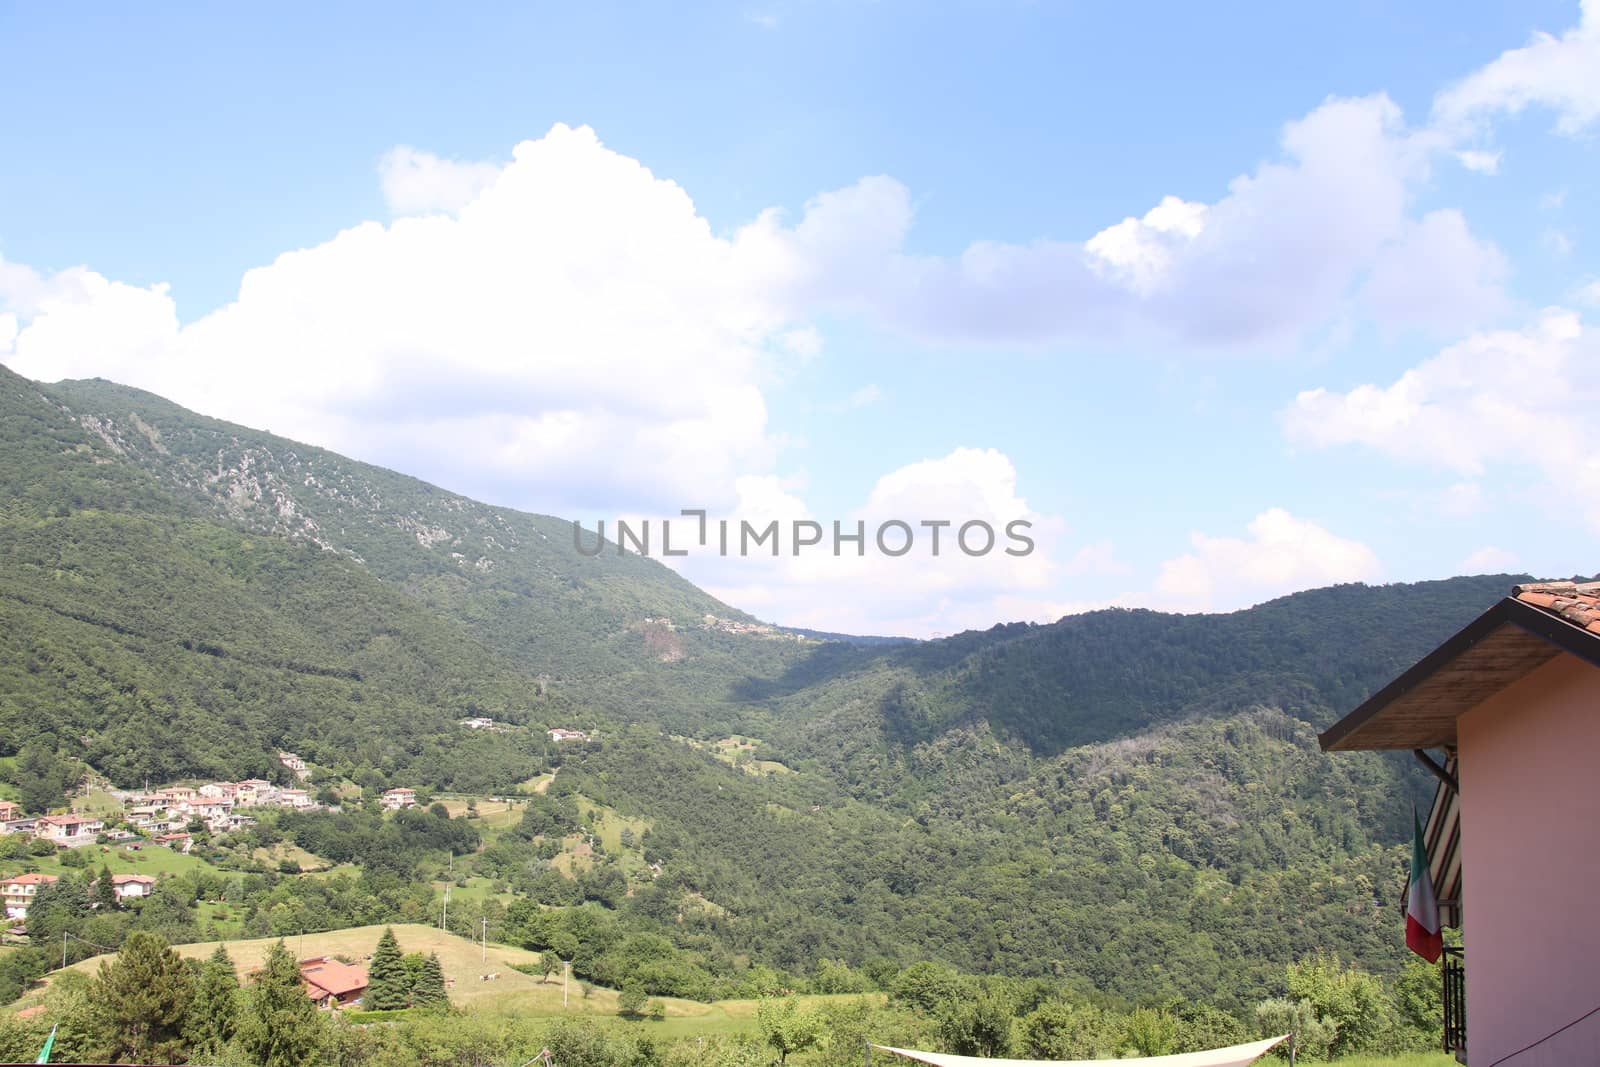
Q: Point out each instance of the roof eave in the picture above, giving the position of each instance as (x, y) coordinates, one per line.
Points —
(1564, 635)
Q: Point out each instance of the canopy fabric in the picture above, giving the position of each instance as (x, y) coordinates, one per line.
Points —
(1232, 1056)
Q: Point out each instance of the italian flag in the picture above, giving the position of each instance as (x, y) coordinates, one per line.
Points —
(1422, 908)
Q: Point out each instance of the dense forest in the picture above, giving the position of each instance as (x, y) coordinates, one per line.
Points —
(1126, 806)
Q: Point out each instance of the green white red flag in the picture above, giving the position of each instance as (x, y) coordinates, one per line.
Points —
(1422, 907)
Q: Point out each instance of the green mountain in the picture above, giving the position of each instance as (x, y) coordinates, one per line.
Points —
(1123, 800)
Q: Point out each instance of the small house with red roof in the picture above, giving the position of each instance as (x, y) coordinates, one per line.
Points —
(332, 983)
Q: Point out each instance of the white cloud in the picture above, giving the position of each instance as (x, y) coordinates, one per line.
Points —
(1589, 293)
(1436, 274)
(1282, 554)
(1520, 401)
(575, 335)
(1490, 560)
(922, 592)
(1140, 251)
(1277, 255)
(421, 183)
(804, 342)
(1560, 73)
(1479, 160)
(1098, 558)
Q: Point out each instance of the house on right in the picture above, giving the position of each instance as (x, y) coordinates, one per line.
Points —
(1513, 703)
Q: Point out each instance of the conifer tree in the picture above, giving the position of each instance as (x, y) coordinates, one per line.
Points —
(280, 1026)
(105, 890)
(214, 1012)
(428, 994)
(387, 987)
(143, 997)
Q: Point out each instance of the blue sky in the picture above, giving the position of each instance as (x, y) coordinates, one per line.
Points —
(891, 276)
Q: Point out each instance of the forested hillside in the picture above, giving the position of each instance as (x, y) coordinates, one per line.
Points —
(1123, 801)
(514, 580)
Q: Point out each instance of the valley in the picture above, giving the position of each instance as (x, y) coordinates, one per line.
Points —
(1121, 818)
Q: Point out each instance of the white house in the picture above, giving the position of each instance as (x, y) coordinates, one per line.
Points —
(295, 764)
(19, 892)
(132, 886)
(69, 830)
(395, 799)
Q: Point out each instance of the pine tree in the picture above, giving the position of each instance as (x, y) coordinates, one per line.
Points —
(214, 1012)
(280, 1026)
(143, 997)
(428, 994)
(387, 988)
(105, 890)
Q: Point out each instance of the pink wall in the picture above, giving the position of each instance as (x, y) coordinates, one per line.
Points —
(1530, 839)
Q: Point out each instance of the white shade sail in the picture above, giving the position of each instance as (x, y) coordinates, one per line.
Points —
(1232, 1056)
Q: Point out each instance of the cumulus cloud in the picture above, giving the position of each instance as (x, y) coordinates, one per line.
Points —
(573, 336)
(1561, 73)
(1518, 401)
(1436, 274)
(1282, 553)
(421, 183)
(1277, 255)
(1479, 160)
(933, 587)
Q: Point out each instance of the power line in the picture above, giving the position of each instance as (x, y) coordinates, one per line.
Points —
(1546, 1037)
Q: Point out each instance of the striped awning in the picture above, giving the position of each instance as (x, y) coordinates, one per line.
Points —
(1442, 836)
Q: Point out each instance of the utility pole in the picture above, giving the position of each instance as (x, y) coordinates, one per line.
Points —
(63, 950)
(566, 977)
(444, 916)
(485, 921)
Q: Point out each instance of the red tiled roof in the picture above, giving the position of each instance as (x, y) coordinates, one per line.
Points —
(1577, 602)
(331, 976)
(67, 820)
(30, 878)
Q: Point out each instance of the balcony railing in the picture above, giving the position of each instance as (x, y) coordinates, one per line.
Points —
(1453, 968)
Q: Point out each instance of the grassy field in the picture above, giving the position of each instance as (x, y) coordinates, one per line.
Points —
(739, 751)
(152, 859)
(608, 824)
(283, 850)
(512, 992)
(464, 961)
(1416, 1059)
(492, 814)
(539, 783)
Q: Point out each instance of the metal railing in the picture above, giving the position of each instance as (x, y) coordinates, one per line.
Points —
(1454, 971)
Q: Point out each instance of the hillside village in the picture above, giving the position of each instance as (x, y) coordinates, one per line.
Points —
(168, 817)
